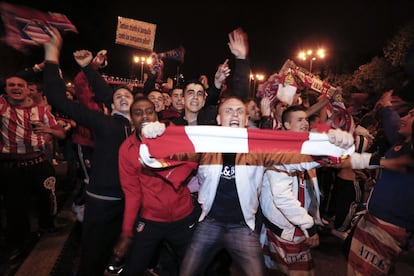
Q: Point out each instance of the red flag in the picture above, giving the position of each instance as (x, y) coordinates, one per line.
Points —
(25, 26)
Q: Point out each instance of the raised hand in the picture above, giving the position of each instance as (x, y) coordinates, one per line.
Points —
(223, 71)
(53, 45)
(101, 59)
(238, 43)
(266, 104)
(83, 57)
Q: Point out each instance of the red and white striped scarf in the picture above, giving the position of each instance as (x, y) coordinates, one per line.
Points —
(192, 139)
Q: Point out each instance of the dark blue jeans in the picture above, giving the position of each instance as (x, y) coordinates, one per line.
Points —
(210, 236)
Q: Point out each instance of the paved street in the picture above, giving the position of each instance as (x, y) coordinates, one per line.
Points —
(57, 253)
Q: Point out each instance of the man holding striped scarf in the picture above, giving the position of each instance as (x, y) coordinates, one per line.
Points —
(230, 173)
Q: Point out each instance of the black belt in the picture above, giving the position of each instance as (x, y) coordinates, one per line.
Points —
(275, 229)
(13, 163)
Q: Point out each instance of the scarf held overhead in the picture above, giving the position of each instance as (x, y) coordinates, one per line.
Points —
(194, 139)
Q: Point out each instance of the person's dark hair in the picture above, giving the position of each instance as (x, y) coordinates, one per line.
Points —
(248, 100)
(167, 91)
(312, 98)
(141, 99)
(156, 90)
(137, 90)
(39, 86)
(290, 109)
(313, 117)
(121, 86)
(192, 81)
(172, 89)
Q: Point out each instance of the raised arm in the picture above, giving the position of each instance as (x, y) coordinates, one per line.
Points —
(238, 44)
(213, 92)
(54, 87)
(101, 89)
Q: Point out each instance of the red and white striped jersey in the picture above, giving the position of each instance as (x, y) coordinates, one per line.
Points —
(17, 135)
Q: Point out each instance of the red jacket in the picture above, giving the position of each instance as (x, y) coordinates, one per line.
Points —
(148, 194)
(83, 135)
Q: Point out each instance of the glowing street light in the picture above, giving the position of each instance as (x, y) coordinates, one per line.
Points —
(253, 78)
(311, 56)
(142, 60)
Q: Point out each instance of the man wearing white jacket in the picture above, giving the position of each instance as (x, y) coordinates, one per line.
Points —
(290, 205)
(231, 181)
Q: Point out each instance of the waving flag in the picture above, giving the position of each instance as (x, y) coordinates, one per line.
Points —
(188, 139)
(25, 27)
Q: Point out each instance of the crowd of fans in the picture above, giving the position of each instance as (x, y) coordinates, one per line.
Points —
(253, 214)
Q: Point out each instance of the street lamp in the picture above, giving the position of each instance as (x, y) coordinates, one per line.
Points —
(311, 56)
(142, 60)
(253, 79)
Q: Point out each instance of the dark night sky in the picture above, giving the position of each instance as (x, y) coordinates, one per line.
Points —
(352, 31)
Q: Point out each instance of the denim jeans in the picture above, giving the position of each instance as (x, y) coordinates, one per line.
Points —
(210, 236)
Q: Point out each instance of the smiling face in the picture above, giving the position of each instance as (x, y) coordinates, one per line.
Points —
(17, 90)
(232, 113)
(194, 97)
(122, 100)
(297, 121)
(142, 111)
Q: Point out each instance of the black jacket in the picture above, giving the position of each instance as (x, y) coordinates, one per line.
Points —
(109, 131)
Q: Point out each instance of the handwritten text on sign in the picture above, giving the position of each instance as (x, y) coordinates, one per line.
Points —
(135, 33)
